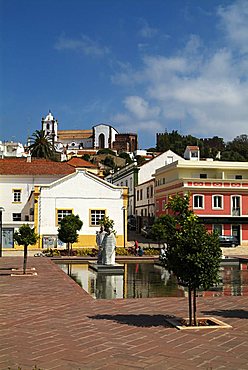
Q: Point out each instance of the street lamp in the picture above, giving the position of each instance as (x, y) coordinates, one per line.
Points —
(1, 230)
(124, 225)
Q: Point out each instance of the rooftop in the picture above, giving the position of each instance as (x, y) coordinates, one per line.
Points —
(21, 166)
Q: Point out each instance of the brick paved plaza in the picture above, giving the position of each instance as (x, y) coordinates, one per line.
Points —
(49, 322)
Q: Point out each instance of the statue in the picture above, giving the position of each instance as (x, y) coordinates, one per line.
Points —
(108, 247)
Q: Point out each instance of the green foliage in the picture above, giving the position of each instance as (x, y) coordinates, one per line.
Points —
(107, 223)
(106, 151)
(126, 156)
(109, 162)
(121, 251)
(235, 150)
(41, 146)
(86, 157)
(193, 254)
(140, 160)
(25, 236)
(67, 231)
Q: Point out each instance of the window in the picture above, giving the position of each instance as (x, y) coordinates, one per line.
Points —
(238, 177)
(151, 191)
(217, 201)
(147, 192)
(17, 217)
(218, 228)
(236, 205)
(61, 213)
(137, 194)
(126, 183)
(17, 195)
(141, 194)
(96, 215)
(163, 205)
(198, 201)
(203, 176)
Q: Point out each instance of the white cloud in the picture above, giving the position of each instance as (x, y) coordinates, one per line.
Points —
(234, 21)
(84, 44)
(147, 31)
(202, 89)
(140, 108)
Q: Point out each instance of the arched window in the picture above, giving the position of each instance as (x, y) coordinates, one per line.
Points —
(101, 141)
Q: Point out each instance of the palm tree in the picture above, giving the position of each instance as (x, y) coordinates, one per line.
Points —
(41, 145)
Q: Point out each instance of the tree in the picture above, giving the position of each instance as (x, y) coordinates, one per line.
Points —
(41, 146)
(25, 236)
(106, 151)
(193, 254)
(126, 156)
(67, 231)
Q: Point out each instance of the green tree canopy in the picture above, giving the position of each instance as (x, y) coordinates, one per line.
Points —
(126, 156)
(106, 151)
(67, 231)
(193, 254)
(41, 146)
(25, 236)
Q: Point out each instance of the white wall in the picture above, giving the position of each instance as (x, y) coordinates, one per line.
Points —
(81, 192)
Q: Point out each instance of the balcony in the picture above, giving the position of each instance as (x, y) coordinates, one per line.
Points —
(236, 211)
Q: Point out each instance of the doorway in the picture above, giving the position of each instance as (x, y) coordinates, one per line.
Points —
(236, 232)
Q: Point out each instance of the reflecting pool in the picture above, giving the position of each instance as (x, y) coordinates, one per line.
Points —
(144, 280)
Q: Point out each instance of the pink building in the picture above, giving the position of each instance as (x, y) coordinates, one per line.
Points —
(218, 189)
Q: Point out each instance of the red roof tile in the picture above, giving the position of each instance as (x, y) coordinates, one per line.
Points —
(20, 166)
(79, 162)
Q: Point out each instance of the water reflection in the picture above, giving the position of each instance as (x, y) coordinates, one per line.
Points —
(143, 280)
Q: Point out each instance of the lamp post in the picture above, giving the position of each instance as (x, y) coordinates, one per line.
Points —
(124, 225)
(1, 231)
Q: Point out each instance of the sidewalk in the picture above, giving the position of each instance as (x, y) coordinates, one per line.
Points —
(49, 322)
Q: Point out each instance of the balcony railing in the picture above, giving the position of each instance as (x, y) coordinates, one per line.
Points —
(236, 211)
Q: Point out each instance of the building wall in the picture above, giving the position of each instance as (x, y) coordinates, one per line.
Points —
(182, 177)
(81, 192)
(149, 168)
(145, 206)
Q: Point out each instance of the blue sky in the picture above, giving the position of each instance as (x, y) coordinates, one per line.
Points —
(142, 66)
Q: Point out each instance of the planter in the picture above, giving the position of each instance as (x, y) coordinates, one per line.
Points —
(203, 323)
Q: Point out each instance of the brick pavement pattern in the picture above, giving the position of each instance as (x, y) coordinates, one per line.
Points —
(48, 322)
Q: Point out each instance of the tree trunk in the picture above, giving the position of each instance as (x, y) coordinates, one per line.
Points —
(190, 305)
(194, 306)
(25, 259)
(68, 249)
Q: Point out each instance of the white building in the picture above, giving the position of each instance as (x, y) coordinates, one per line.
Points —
(10, 149)
(83, 194)
(41, 192)
(133, 175)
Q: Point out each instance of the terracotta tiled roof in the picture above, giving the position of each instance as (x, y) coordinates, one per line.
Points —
(192, 147)
(74, 134)
(79, 162)
(20, 166)
(90, 152)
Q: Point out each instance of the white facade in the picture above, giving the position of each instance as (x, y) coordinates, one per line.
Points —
(10, 149)
(145, 206)
(104, 136)
(17, 203)
(81, 193)
(147, 170)
(50, 126)
(133, 175)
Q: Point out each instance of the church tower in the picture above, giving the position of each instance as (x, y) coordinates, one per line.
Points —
(50, 126)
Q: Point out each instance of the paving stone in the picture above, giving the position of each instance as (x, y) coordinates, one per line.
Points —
(49, 321)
